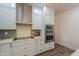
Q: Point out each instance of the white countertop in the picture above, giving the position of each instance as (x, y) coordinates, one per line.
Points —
(11, 40)
(6, 40)
(76, 53)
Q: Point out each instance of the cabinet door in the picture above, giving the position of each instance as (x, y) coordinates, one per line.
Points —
(49, 46)
(39, 45)
(30, 50)
(49, 19)
(18, 48)
(36, 17)
(49, 16)
(17, 43)
(39, 48)
(36, 21)
(30, 47)
(5, 49)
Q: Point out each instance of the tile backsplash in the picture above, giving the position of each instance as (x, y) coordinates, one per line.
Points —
(23, 30)
(5, 34)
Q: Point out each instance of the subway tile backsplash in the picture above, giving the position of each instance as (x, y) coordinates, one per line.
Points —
(5, 34)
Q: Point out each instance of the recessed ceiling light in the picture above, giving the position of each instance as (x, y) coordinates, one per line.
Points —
(36, 11)
(13, 4)
(44, 8)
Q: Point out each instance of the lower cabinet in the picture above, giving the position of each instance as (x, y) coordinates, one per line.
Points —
(5, 49)
(30, 47)
(18, 51)
(39, 45)
(49, 46)
(25, 47)
(42, 46)
(18, 48)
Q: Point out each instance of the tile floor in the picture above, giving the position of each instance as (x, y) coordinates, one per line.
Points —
(58, 51)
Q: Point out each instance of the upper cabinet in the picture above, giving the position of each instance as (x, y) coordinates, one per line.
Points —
(42, 16)
(7, 16)
(48, 15)
(23, 13)
(36, 17)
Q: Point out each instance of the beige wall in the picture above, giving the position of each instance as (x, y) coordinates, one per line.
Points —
(67, 28)
(23, 31)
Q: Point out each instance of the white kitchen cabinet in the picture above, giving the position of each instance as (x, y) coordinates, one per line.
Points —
(7, 17)
(49, 46)
(39, 45)
(49, 19)
(17, 51)
(17, 43)
(18, 48)
(24, 47)
(36, 17)
(48, 16)
(5, 49)
(30, 47)
(39, 49)
(42, 46)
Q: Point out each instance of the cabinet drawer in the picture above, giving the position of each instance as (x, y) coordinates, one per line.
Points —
(30, 52)
(30, 41)
(49, 46)
(18, 49)
(5, 49)
(39, 49)
(5, 54)
(19, 54)
(17, 43)
(30, 49)
(51, 43)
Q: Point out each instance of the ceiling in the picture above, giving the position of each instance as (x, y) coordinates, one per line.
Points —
(9, 5)
(59, 7)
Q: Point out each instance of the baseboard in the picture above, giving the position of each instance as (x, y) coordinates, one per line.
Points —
(65, 46)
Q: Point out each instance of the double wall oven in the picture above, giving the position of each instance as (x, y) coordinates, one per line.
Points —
(49, 33)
